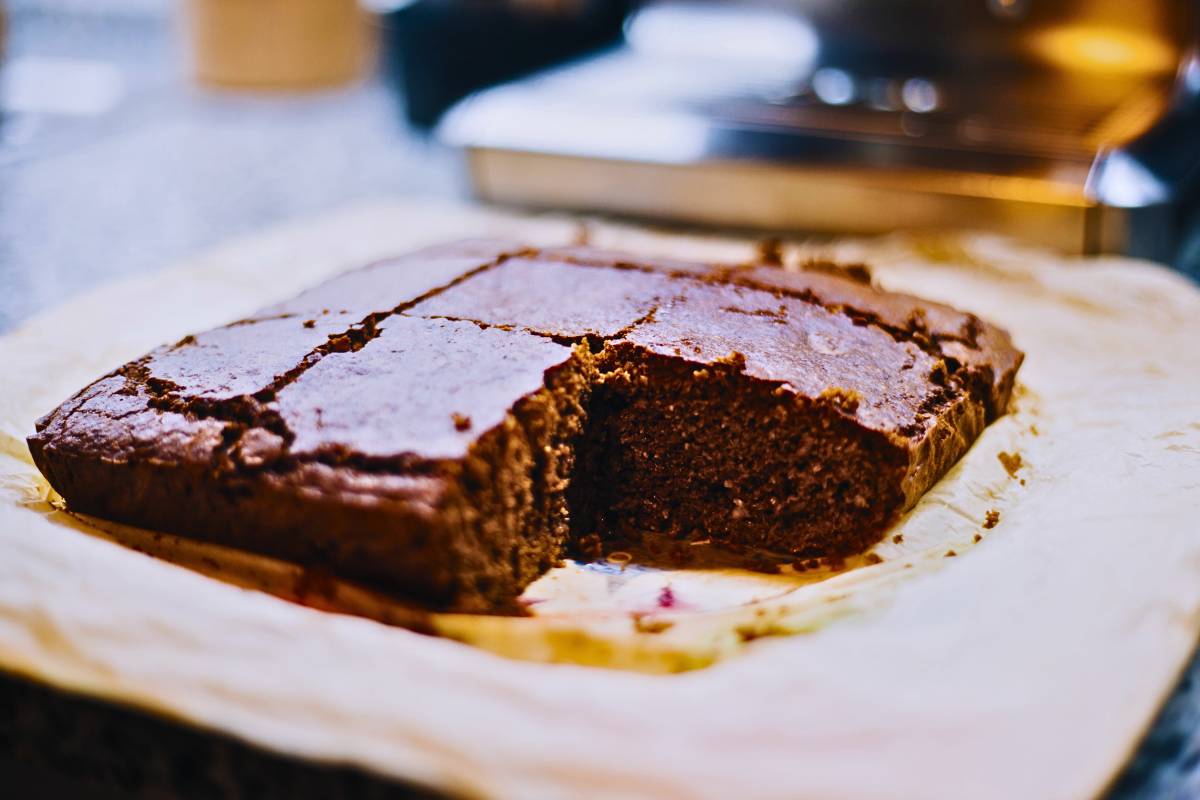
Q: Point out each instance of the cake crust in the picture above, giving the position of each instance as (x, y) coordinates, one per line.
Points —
(446, 424)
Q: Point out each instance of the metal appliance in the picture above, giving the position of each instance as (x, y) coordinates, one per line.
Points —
(1074, 123)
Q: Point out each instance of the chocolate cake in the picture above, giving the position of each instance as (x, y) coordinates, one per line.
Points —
(446, 425)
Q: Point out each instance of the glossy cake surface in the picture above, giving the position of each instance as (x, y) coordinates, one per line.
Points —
(448, 424)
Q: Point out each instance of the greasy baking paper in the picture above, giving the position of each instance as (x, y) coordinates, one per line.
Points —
(1018, 660)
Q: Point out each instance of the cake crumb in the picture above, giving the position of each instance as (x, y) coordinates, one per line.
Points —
(857, 272)
(590, 546)
(978, 537)
(1011, 462)
(874, 558)
(734, 359)
(310, 323)
(991, 519)
(950, 554)
(461, 421)
(619, 558)
(770, 252)
(898, 538)
(739, 510)
(646, 625)
(846, 400)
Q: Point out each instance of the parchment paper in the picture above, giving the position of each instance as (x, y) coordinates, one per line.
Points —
(1026, 665)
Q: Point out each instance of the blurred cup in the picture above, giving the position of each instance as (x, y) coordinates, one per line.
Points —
(277, 44)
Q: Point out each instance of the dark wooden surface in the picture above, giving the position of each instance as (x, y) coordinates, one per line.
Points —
(172, 170)
(56, 744)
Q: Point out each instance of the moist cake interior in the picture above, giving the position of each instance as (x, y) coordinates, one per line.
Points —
(709, 454)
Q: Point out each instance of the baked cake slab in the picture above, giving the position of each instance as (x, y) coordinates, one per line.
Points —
(447, 425)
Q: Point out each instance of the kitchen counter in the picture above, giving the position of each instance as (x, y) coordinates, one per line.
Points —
(171, 168)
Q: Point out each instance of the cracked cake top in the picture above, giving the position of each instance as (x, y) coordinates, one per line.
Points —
(451, 389)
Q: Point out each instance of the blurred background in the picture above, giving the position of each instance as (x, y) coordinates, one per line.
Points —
(134, 133)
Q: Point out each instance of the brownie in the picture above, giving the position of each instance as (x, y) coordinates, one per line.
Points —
(447, 425)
